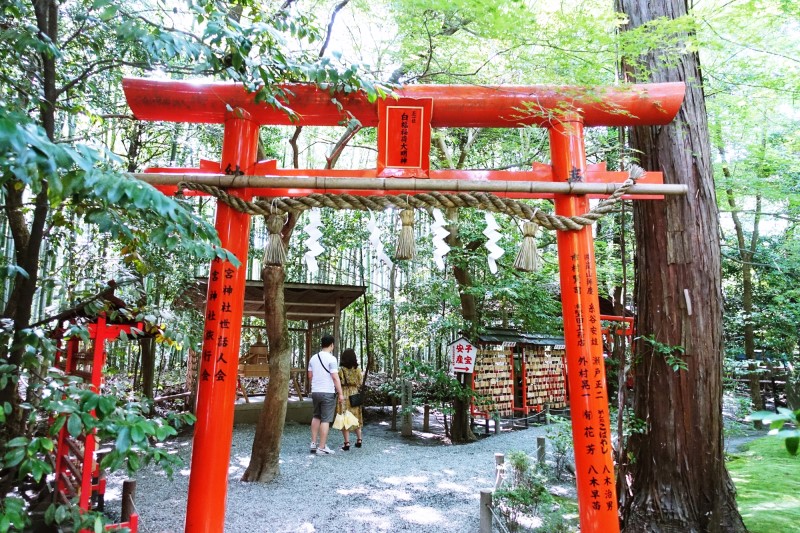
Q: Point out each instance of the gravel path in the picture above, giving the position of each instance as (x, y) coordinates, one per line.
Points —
(391, 484)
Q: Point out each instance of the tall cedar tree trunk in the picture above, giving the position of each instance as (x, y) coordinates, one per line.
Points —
(28, 238)
(460, 430)
(264, 460)
(147, 348)
(265, 457)
(679, 480)
(395, 365)
(747, 252)
(147, 345)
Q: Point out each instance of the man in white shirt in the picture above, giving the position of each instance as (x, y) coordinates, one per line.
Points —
(323, 374)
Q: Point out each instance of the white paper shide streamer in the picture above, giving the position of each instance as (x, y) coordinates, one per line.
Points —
(312, 242)
(375, 240)
(439, 231)
(492, 237)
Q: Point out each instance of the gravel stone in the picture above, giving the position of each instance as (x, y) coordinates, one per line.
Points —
(391, 484)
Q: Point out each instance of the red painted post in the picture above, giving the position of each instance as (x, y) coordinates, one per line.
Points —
(591, 428)
(98, 332)
(216, 392)
(98, 351)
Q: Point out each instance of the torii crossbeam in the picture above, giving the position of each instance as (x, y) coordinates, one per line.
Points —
(403, 155)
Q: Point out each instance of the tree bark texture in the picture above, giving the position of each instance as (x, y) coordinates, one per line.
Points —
(461, 431)
(469, 307)
(147, 346)
(28, 238)
(264, 460)
(679, 480)
(395, 358)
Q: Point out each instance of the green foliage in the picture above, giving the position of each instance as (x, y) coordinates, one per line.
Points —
(752, 113)
(524, 491)
(70, 516)
(134, 437)
(631, 425)
(83, 177)
(742, 406)
(12, 514)
(55, 402)
(249, 44)
(257, 50)
(489, 42)
(559, 434)
(431, 386)
(671, 354)
(777, 422)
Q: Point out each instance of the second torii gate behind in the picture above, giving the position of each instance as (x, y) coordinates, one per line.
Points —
(403, 156)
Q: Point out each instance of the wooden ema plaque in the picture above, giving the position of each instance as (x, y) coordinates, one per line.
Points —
(404, 137)
(492, 382)
(545, 378)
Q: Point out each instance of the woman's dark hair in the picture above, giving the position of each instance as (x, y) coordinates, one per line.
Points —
(348, 359)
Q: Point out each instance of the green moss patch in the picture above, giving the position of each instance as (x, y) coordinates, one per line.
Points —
(767, 483)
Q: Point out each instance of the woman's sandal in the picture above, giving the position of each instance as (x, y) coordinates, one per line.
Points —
(358, 443)
(346, 446)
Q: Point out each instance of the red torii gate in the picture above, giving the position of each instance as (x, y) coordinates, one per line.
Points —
(403, 146)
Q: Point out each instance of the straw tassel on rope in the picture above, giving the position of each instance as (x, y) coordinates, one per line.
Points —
(275, 251)
(527, 260)
(405, 243)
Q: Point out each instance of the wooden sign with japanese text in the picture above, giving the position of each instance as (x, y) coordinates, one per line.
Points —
(462, 356)
(404, 137)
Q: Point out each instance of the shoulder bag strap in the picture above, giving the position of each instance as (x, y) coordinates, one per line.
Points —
(319, 356)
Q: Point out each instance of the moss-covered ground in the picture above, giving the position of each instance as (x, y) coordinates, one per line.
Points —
(767, 482)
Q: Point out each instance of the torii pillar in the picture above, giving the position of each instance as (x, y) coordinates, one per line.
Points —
(208, 483)
(591, 428)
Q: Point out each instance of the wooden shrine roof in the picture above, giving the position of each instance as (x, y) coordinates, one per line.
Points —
(498, 336)
(314, 302)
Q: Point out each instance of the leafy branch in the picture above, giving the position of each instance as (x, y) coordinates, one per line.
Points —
(777, 422)
(671, 354)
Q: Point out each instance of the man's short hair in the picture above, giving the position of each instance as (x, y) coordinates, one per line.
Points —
(327, 340)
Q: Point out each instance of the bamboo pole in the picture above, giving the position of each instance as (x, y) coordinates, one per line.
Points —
(321, 184)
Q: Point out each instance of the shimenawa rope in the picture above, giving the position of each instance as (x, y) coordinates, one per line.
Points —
(475, 200)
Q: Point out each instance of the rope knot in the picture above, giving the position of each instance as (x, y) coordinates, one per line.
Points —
(527, 260)
(406, 249)
(275, 251)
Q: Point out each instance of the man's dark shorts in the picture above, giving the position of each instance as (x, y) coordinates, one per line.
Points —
(324, 405)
